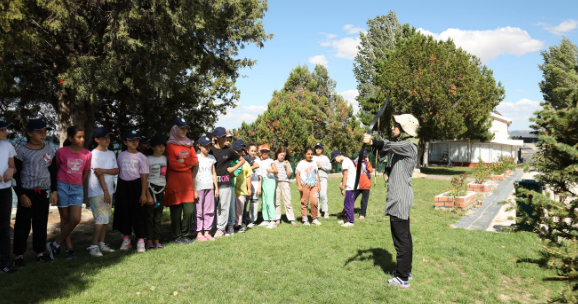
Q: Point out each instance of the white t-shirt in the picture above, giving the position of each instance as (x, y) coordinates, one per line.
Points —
(204, 177)
(157, 170)
(350, 167)
(6, 152)
(307, 173)
(102, 160)
(264, 165)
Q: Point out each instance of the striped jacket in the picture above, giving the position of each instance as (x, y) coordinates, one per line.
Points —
(399, 192)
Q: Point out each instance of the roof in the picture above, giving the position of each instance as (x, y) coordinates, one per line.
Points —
(494, 114)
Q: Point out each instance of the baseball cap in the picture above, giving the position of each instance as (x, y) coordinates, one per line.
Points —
(101, 132)
(365, 153)
(157, 140)
(264, 147)
(180, 122)
(334, 154)
(237, 146)
(219, 132)
(204, 140)
(229, 133)
(37, 124)
(130, 134)
(4, 124)
(318, 145)
(144, 140)
(240, 141)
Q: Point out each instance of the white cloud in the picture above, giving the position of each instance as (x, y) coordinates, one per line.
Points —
(319, 59)
(562, 28)
(521, 91)
(346, 47)
(234, 117)
(351, 29)
(349, 96)
(489, 44)
(519, 111)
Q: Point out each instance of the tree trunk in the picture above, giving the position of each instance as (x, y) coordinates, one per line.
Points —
(426, 155)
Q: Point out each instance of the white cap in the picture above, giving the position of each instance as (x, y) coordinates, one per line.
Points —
(408, 123)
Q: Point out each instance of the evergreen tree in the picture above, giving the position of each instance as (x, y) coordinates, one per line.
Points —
(556, 159)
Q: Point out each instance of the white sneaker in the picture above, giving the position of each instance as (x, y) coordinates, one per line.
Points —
(341, 222)
(251, 225)
(348, 224)
(306, 223)
(126, 245)
(326, 215)
(94, 251)
(316, 222)
(264, 223)
(272, 225)
(140, 246)
(104, 247)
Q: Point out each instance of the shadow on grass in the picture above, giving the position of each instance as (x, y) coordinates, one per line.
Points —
(380, 257)
(444, 171)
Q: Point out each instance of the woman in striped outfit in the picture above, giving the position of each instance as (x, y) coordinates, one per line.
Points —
(400, 192)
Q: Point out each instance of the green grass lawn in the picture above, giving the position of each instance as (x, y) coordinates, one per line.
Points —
(303, 264)
(452, 171)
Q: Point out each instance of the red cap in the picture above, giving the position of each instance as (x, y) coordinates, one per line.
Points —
(264, 147)
(229, 134)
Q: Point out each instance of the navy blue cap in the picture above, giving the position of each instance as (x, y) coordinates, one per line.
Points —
(318, 145)
(241, 142)
(157, 140)
(101, 132)
(130, 134)
(180, 122)
(204, 140)
(334, 154)
(37, 124)
(238, 146)
(249, 160)
(219, 132)
(365, 153)
(4, 124)
(144, 140)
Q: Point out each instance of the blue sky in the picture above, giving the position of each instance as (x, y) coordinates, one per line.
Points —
(506, 35)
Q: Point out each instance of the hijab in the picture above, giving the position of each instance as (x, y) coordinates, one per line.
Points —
(404, 136)
(177, 140)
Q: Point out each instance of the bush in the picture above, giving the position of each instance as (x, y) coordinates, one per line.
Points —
(458, 186)
(481, 172)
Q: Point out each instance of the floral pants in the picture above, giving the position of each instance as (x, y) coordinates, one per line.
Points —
(283, 192)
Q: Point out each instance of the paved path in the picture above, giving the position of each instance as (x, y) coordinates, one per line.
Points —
(482, 217)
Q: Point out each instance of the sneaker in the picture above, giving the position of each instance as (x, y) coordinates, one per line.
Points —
(150, 247)
(94, 251)
(140, 246)
(306, 223)
(209, 238)
(7, 270)
(43, 259)
(159, 246)
(104, 247)
(394, 274)
(70, 254)
(189, 241)
(278, 222)
(264, 223)
(326, 215)
(251, 225)
(293, 223)
(397, 282)
(272, 225)
(181, 241)
(54, 252)
(219, 233)
(241, 230)
(126, 244)
(316, 222)
(230, 231)
(18, 263)
(362, 217)
(348, 224)
(341, 222)
(201, 238)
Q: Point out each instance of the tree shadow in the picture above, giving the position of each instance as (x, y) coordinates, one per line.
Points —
(380, 257)
(444, 171)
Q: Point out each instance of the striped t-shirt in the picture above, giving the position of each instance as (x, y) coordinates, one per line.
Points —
(400, 191)
(35, 163)
(282, 171)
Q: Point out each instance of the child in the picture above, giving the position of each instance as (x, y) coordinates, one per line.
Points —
(7, 170)
(307, 177)
(131, 193)
(73, 163)
(35, 178)
(101, 188)
(254, 197)
(180, 191)
(364, 183)
(324, 166)
(224, 155)
(267, 186)
(157, 181)
(347, 185)
(206, 189)
(283, 190)
(242, 189)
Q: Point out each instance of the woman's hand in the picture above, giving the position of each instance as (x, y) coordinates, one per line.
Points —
(341, 187)
(54, 198)
(98, 171)
(342, 192)
(25, 201)
(180, 161)
(216, 192)
(107, 198)
(196, 195)
(8, 174)
(150, 200)
(143, 199)
(367, 139)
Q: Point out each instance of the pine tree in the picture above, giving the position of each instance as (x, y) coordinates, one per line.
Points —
(555, 218)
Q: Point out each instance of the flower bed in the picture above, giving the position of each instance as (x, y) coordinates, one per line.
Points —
(445, 201)
(500, 177)
(465, 201)
(483, 187)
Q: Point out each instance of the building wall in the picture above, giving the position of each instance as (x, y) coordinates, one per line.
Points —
(465, 152)
(499, 128)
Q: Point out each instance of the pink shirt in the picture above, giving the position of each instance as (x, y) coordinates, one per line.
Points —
(71, 165)
(131, 166)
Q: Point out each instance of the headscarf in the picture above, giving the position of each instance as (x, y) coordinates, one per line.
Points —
(177, 140)
(404, 136)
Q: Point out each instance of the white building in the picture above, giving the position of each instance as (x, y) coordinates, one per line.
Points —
(462, 152)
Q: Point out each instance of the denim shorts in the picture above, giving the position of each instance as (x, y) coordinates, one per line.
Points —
(69, 195)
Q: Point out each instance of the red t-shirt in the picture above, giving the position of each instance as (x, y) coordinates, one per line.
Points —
(364, 181)
(72, 165)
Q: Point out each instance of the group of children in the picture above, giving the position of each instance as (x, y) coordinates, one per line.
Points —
(207, 191)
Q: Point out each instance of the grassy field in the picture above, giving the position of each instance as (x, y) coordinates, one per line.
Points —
(303, 264)
(452, 171)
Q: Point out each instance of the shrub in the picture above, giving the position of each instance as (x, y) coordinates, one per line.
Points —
(481, 172)
(458, 186)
